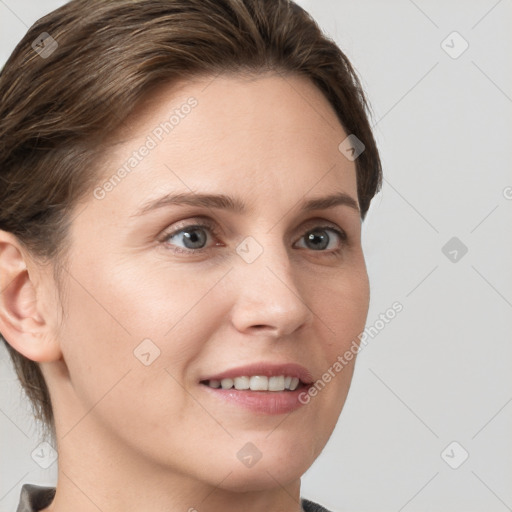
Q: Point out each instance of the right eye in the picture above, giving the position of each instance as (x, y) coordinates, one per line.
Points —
(193, 236)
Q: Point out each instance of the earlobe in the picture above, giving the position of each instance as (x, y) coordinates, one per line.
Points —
(21, 321)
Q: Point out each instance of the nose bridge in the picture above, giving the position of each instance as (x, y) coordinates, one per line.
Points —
(263, 256)
(268, 291)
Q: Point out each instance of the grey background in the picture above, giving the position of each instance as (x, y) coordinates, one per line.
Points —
(440, 370)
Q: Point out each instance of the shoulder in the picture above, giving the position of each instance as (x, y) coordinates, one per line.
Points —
(35, 497)
(311, 506)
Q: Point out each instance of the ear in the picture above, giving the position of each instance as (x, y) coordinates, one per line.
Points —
(24, 322)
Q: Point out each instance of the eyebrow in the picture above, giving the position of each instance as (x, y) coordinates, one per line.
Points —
(236, 205)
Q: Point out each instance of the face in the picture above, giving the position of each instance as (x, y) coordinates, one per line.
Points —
(160, 302)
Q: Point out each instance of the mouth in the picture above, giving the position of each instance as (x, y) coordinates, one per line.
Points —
(260, 388)
(273, 384)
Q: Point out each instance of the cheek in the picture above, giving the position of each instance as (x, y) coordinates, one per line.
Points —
(138, 315)
(342, 308)
(107, 332)
(341, 304)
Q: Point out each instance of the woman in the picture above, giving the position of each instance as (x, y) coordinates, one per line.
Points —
(183, 186)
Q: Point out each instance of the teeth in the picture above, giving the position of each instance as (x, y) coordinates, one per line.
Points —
(276, 383)
(226, 383)
(294, 383)
(242, 383)
(257, 383)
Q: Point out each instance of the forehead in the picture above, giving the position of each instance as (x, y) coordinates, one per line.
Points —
(270, 133)
(235, 98)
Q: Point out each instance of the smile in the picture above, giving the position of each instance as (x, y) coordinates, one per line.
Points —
(261, 388)
(257, 383)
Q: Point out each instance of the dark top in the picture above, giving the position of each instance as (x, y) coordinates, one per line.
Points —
(36, 497)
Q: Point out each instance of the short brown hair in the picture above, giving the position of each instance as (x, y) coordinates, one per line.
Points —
(56, 105)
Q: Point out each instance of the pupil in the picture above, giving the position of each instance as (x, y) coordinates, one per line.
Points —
(194, 238)
(312, 237)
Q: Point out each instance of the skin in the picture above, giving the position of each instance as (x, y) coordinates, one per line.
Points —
(136, 437)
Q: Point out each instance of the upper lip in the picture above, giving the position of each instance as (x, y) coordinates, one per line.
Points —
(265, 369)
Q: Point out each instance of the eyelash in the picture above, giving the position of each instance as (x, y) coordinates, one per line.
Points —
(211, 227)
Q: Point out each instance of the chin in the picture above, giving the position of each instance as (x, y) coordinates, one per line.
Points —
(274, 463)
(263, 476)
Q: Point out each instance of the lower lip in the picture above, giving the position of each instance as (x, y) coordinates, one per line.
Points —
(265, 402)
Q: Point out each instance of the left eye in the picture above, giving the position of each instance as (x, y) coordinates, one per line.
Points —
(319, 240)
(194, 238)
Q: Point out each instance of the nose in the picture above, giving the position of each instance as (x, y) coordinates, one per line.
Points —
(269, 298)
